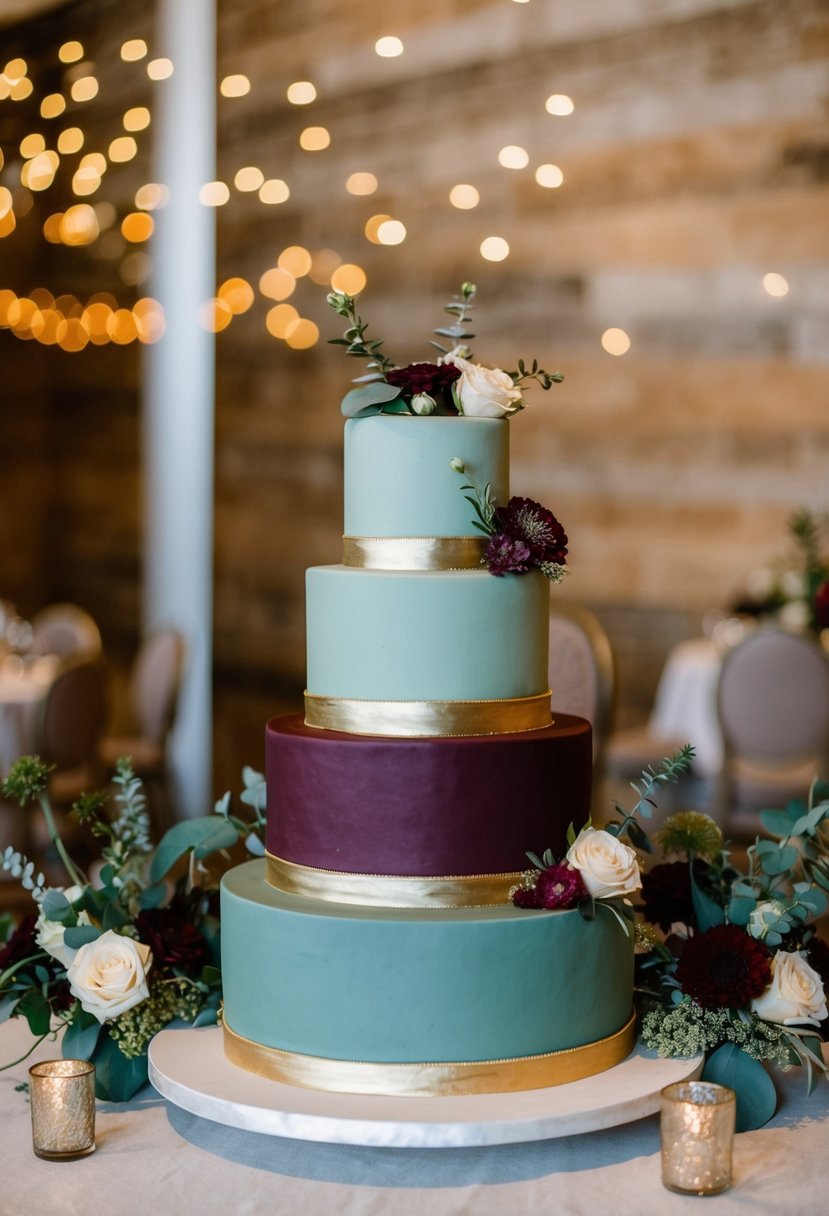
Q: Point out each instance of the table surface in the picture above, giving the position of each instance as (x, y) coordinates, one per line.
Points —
(153, 1157)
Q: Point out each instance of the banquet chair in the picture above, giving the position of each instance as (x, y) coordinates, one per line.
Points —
(155, 681)
(582, 674)
(68, 729)
(64, 630)
(773, 712)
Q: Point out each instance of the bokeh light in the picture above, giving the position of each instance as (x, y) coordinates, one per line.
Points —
(349, 278)
(361, 183)
(160, 69)
(314, 139)
(121, 326)
(214, 315)
(274, 190)
(214, 194)
(52, 105)
(301, 93)
(84, 88)
(323, 265)
(70, 140)
(388, 47)
(775, 284)
(301, 334)
(279, 318)
(615, 341)
(391, 232)
(151, 196)
(559, 104)
(235, 86)
(149, 319)
(549, 176)
(295, 259)
(136, 119)
(373, 224)
(95, 318)
(277, 284)
(494, 249)
(514, 157)
(249, 178)
(133, 49)
(70, 52)
(79, 225)
(137, 227)
(464, 197)
(122, 149)
(237, 294)
(31, 145)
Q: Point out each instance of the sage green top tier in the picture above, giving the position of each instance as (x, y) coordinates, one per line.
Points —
(397, 476)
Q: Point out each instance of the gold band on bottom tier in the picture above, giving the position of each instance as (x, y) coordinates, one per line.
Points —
(390, 890)
(414, 552)
(433, 1079)
(427, 719)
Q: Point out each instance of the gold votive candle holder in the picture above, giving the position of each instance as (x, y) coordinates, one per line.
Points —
(697, 1129)
(62, 1094)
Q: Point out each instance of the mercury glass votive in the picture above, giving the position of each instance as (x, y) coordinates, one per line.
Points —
(62, 1094)
(697, 1129)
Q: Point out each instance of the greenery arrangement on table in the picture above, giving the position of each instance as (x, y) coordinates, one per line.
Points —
(119, 952)
(728, 963)
(794, 590)
(453, 385)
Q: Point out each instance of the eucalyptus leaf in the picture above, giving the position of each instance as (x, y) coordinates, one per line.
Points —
(55, 906)
(8, 1004)
(114, 916)
(116, 1077)
(377, 393)
(211, 975)
(206, 1017)
(154, 896)
(369, 411)
(740, 909)
(806, 824)
(34, 1007)
(81, 1036)
(779, 823)
(706, 912)
(778, 860)
(79, 935)
(204, 835)
(398, 406)
(729, 1065)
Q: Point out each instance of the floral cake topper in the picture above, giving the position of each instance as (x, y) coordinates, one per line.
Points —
(453, 385)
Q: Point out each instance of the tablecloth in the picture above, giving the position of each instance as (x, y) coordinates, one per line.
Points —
(153, 1159)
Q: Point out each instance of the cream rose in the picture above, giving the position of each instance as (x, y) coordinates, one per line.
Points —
(795, 993)
(109, 975)
(49, 936)
(484, 392)
(607, 866)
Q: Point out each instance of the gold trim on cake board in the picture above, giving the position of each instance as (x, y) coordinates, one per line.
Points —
(427, 719)
(413, 552)
(430, 1080)
(390, 890)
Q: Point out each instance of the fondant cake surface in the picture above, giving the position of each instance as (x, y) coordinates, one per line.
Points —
(424, 806)
(417, 985)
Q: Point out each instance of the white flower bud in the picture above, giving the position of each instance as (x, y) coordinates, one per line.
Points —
(423, 404)
(457, 464)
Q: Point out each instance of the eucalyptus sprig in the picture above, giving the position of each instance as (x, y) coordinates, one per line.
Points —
(460, 307)
(667, 771)
(354, 340)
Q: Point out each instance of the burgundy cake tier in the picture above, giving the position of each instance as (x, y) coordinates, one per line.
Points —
(424, 807)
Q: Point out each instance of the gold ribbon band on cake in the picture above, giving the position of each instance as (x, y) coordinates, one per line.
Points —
(413, 552)
(423, 719)
(433, 1079)
(390, 891)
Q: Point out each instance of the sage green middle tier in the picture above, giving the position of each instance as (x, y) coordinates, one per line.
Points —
(466, 635)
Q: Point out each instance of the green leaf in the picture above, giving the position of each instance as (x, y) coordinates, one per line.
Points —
(81, 1036)
(639, 837)
(377, 393)
(116, 1077)
(211, 975)
(55, 906)
(740, 909)
(706, 912)
(756, 1098)
(206, 1017)
(114, 916)
(369, 411)
(204, 835)
(780, 823)
(79, 935)
(806, 824)
(777, 859)
(154, 896)
(398, 406)
(8, 1004)
(34, 1007)
(571, 834)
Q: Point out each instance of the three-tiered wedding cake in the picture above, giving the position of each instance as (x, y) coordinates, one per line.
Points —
(375, 948)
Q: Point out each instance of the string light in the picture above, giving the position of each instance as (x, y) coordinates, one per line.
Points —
(84, 88)
(314, 139)
(237, 294)
(494, 249)
(121, 326)
(361, 183)
(248, 179)
(122, 149)
(301, 93)
(136, 119)
(464, 197)
(160, 69)
(349, 278)
(301, 333)
(149, 319)
(559, 104)
(235, 86)
(549, 176)
(391, 232)
(94, 320)
(133, 49)
(274, 190)
(70, 52)
(277, 284)
(615, 341)
(513, 157)
(279, 318)
(296, 260)
(52, 105)
(388, 47)
(214, 194)
(70, 140)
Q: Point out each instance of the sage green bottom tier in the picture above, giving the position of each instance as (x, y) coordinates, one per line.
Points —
(405, 986)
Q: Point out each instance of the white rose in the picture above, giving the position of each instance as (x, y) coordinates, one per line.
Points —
(795, 993)
(109, 975)
(607, 866)
(49, 936)
(484, 392)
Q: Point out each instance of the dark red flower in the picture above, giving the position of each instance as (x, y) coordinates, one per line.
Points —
(526, 897)
(21, 944)
(505, 555)
(527, 521)
(432, 378)
(174, 940)
(62, 998)
(666, 894)
(817, 952)
(820, 606)
(724, 968)
(560, 886)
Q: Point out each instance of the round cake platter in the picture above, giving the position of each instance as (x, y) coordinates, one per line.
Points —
(188, 1067)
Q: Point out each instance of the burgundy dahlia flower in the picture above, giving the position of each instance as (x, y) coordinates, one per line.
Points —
(174, 940)
(560, 886)
(432, 378)
(666, 894)
(527, 521)
(724, 968)
(506, 555)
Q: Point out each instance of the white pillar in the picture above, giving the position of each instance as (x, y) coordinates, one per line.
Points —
(178, 383)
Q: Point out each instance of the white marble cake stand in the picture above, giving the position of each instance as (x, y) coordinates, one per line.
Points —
(189, 1068)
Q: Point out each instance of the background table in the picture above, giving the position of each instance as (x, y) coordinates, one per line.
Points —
(685, 703)
(152, 1157)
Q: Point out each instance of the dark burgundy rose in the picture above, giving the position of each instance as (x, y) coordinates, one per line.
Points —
(527, 521)
(505, 555)
(560, 886)
(666, 894)
(724, 968)
(21, 944)
(174, 940)
(432, 378)
(821, 606)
